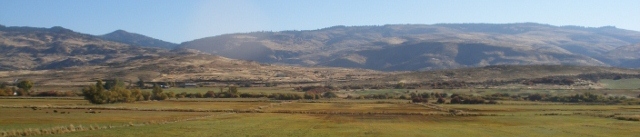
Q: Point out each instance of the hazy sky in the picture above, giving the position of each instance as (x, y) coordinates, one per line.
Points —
(184, 20)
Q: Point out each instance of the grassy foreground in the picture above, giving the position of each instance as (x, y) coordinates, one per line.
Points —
(340, 125)
(73, 117)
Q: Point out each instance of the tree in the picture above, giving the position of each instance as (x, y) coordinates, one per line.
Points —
(425, 95)
(114, 83)
(535, 97)
(3, 85)
(210, 94)
(25, 85)
(137, 94)
(618, 77)
(96, 94)
(21, 92)
(456, 100)
(171, 94)
(140, 83)
(308, 95)
(181, 95)
(330, 95)
(3, 92)
(441, 100)
(157, 93)
(146, 95)
(99, 86)
(233, 90)
(120, 94)
(198, 95)
(400, 85)
(419, 100)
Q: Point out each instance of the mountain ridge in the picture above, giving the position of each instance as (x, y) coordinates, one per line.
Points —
(342, 46)
(62, 56)
(28, 48)
(137, 39)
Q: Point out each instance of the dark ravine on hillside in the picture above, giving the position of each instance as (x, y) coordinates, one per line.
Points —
(425, 47)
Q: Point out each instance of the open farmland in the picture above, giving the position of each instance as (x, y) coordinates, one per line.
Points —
(376, 125)
(253, 90)
(325, 117)
(274, 111)
(621, 84)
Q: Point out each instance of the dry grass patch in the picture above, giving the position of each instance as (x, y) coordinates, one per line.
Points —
(43, 102)
(170, 104)
(354, 107)
(269, 124)
(22, 118)
(549, 107)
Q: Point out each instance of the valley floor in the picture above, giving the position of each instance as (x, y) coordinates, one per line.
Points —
(245, 117)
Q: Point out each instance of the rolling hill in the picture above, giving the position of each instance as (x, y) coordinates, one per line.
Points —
(59, 55)
(428, 47)
(137, 39)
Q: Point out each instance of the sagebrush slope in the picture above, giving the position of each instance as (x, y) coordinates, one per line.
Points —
(460, 45)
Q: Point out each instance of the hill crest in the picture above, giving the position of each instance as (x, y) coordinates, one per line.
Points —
(342, 46)
(137, 39)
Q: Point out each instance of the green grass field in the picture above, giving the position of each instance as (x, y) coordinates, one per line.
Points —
(43, 102)
(621, 84)
(627, 88)
(353, 107)
(21, 118)
(170, 104)
(330, 117)
(339, 125)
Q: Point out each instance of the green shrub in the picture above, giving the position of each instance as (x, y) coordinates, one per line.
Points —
(210, 94)
(146, 95)
(3, 93)
(456, 100)
(171, 94)
(25, 85)
(158, 93)
(330, 95)
(441, 100)
(419, 100)
(98, 95)
(137, 94)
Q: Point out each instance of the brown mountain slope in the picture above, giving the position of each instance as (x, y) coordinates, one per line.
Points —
(451, 45)
(508, 72)
(61, 56)
(25, 48)
(137, 39)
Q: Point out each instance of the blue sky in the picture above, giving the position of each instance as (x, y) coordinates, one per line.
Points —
(184, 20)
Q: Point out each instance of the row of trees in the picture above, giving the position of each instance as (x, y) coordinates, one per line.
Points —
(278, 96)
(551, 80)
(580, 98)
(22, 88)
(467, 100)
(116, 93)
